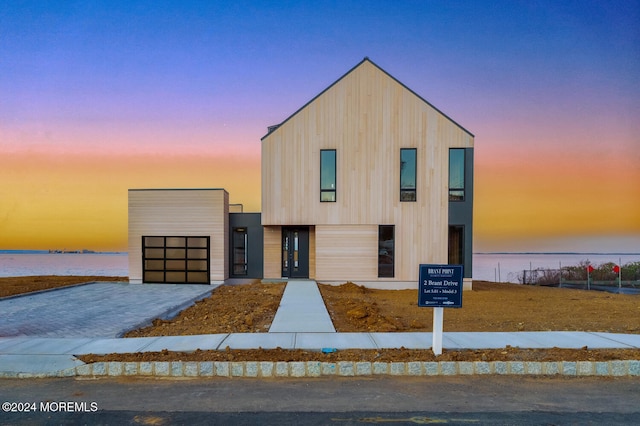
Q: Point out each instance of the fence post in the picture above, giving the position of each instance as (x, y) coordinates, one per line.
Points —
(560, 284)
(619, 273)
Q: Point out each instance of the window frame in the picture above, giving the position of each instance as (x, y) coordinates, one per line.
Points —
(391, 254)
(408, 191)
(325, 191)
(461, 231)
(457, 194)
(243, 231)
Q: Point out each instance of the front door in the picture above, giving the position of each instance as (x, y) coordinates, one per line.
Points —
(295, 252)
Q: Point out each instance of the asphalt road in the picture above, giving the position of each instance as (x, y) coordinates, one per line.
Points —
(326, 401)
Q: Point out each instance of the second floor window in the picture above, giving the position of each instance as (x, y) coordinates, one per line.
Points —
(328, 175)
(456, 174)
(408, 174)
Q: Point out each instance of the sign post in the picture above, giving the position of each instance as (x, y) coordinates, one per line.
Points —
(438, 321)
(439, 286)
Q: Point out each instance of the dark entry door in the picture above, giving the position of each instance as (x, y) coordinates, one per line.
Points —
(295, 252)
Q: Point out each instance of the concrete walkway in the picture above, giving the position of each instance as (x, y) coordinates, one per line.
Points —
(302, 309)
(34, 357)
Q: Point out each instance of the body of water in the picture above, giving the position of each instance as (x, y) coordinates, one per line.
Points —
(504, 267)
(20, 264)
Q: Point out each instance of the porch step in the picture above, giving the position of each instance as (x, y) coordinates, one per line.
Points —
(302, 310)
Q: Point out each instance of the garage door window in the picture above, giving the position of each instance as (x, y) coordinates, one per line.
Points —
(175, 260)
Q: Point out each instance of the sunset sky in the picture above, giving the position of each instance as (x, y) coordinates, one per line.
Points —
(101, 96)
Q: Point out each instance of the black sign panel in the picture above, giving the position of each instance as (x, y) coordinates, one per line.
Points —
(440, 286)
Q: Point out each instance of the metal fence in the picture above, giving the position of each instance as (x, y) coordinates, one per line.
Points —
(573, 278)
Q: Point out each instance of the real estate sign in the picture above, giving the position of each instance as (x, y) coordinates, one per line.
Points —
(440, 286)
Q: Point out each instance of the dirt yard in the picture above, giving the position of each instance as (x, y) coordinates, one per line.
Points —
(17, 285)
(489, 307)
(230, 309)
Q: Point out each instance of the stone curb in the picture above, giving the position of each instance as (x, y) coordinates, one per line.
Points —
(297, 369)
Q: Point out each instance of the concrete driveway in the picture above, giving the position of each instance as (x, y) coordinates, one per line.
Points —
(100, 309)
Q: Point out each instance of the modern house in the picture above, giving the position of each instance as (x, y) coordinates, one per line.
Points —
(363, 183)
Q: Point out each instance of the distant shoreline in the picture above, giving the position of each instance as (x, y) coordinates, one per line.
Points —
(480, 252)
(59, 252)
(571, 253)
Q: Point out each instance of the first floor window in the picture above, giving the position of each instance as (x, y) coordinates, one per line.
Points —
(386, 248)
(456, 245)
(239, 252)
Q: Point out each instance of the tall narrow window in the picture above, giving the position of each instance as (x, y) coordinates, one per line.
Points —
(408, 174)
(386, 246)
(328, 175)
(239, 251)
(456, 174)
(456, 245)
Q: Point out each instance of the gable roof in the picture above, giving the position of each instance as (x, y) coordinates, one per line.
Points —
(271, 129)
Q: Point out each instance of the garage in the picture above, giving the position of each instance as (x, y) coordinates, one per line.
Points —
(176, 259)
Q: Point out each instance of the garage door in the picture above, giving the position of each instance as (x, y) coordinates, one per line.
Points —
(175, 260)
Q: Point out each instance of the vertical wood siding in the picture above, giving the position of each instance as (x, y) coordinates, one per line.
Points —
(346, 252)
(166, 212)
(367, 117)
(312, 252)
(272, 252)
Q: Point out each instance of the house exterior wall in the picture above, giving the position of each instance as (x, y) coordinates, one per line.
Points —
(346, 252)
(461, 213)
(272, 251)
(312, 253)
(367, 117)
(250, 222)
(180, 212)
